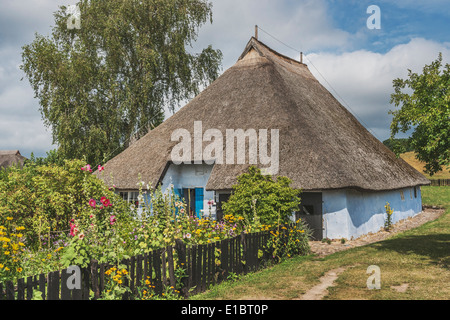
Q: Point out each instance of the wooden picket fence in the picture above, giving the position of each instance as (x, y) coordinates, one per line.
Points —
(203, 265)
(440, 182)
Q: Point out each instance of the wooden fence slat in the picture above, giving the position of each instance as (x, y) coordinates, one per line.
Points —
(29, 287)
(172, 280)
(66, 293)
(224, 258)
(157, 267)
(10, 290)
(20, 289)
(53, 286)
(95, 279)
(193, 267)
(189, 267)
(131, 272)
(42, 286)
(204, 269)
(86, 283)
(138, 280)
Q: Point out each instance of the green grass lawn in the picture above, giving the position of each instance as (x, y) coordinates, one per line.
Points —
(419, 259)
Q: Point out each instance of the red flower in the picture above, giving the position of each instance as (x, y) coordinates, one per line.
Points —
(73, 230)
(92, 203)
(112, 220)
(100, 168)
(105, 201)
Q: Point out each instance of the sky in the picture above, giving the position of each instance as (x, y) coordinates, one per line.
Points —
(357, 64)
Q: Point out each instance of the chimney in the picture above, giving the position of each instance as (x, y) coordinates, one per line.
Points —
(256, 32)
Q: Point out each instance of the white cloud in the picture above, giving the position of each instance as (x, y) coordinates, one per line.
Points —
(304, 25)
(363, 79)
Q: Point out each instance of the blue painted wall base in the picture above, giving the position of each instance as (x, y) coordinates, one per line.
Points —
(350, 214)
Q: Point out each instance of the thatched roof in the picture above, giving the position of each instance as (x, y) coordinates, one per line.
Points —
(10, 157)
(322, 145)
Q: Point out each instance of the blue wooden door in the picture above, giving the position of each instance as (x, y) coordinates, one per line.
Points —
(198, 201)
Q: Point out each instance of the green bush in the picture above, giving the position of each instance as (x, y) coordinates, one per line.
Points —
(44, 198)
(258, 196)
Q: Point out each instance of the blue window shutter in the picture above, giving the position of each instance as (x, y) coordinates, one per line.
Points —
(198, 201)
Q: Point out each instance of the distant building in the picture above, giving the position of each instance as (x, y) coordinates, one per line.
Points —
(11, 157)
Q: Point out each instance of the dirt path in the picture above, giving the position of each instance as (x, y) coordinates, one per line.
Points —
(322, 249)
(319, 291)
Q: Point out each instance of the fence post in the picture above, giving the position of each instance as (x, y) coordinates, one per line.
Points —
(94, 276)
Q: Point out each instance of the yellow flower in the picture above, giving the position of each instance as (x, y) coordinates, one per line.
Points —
(9, 218)
(6, 253)
(19, 269)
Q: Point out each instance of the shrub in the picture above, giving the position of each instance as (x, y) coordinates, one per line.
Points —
(44, 198)
(11, 249)
(258, 196)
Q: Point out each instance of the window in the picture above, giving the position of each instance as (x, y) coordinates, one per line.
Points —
(402, 195)
(130, 197)
(415, 192)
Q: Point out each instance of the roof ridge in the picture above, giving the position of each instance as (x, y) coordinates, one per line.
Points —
(254, 42)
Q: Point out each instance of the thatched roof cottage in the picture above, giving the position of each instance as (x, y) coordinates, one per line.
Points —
(11, 157)
(346, 174)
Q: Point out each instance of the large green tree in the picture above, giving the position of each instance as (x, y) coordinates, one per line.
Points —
(425, 108)
(107, 80)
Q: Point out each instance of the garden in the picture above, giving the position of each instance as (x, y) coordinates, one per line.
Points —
(53, 216)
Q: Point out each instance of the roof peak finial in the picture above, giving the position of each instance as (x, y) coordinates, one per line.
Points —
(256, 31)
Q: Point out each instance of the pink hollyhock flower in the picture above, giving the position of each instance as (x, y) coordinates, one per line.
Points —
(87, 168)
(73, 230)
(81, 236)
(112, 220)
(100, 168)
(107, 203)
(102, 200)
(92, 203)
